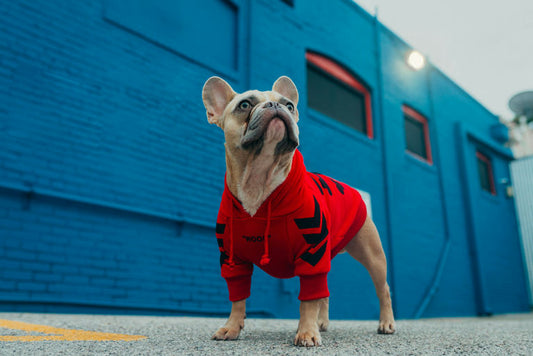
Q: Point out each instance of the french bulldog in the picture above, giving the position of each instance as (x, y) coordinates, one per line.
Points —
(279, 217)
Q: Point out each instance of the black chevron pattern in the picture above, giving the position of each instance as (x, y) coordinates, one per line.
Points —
(318, 238)
(223, 258)
(339, 186)
(314, 258)
(311, 222)
(318, 220)
(220, 228)
(318, 185)
(324, 185)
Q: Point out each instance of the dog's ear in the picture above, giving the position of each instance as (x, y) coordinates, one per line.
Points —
(216, 96)
(286, 87)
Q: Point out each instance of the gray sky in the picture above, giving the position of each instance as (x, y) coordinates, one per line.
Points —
(485, 46)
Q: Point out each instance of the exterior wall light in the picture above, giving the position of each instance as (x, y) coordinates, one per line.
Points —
(415, 60)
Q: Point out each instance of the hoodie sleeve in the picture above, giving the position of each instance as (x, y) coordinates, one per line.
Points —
(312, 267)
(314, 261)
(239, 280)
(238, 275)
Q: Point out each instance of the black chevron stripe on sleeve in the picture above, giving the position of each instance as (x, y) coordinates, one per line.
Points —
(318, 185)
(223, 258)
(339, 186)
(325, 185)
(314, 258)
(311, 222)
(220, 228)
(318, 220)
(319, 237)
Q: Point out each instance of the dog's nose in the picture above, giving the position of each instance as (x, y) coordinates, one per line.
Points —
(272, 104)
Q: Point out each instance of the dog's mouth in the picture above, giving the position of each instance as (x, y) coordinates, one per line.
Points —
(262, 125)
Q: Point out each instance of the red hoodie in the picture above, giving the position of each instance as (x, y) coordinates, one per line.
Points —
(308, 219)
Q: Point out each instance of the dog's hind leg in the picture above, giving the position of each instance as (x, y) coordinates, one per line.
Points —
(366, 248)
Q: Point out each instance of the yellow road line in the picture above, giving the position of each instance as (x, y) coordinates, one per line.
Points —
(60, 334)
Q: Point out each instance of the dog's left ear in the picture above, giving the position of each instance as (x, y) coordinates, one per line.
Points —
(216, 96)
(286, 87)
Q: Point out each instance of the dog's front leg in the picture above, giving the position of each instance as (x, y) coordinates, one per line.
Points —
(232, 328)
(308, 333)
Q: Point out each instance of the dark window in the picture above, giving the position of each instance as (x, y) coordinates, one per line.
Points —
(417, 135)
(334, 92)
(414, 135)
(486, 177)
(289, 2)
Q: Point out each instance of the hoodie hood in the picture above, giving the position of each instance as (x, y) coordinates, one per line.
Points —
(283, 200)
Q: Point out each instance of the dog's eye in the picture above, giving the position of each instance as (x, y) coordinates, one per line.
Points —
(245, 105)
(290, 106)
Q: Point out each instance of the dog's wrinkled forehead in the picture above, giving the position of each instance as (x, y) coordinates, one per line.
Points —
(255, 97)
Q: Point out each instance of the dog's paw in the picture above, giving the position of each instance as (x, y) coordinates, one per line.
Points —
(386, 326)
(323, 324)
(227, 333)
(308, 338)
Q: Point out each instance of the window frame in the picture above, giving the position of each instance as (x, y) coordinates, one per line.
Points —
(411, 113)
(490, 171)
(336, 71)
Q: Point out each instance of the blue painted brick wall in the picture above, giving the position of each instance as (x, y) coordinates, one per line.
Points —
(78, 254)
(91, 117)
(110, 176)
(92, 113)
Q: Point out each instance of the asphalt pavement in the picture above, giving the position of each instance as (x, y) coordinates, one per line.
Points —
(72, 334)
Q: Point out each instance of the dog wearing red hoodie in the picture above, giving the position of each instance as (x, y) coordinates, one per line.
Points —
(277, 216)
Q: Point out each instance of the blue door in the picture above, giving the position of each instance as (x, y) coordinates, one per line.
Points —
(498, 269)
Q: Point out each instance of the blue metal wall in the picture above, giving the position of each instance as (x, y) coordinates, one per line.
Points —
(110, 176)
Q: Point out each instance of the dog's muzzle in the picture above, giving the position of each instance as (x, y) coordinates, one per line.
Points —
(253, 137)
